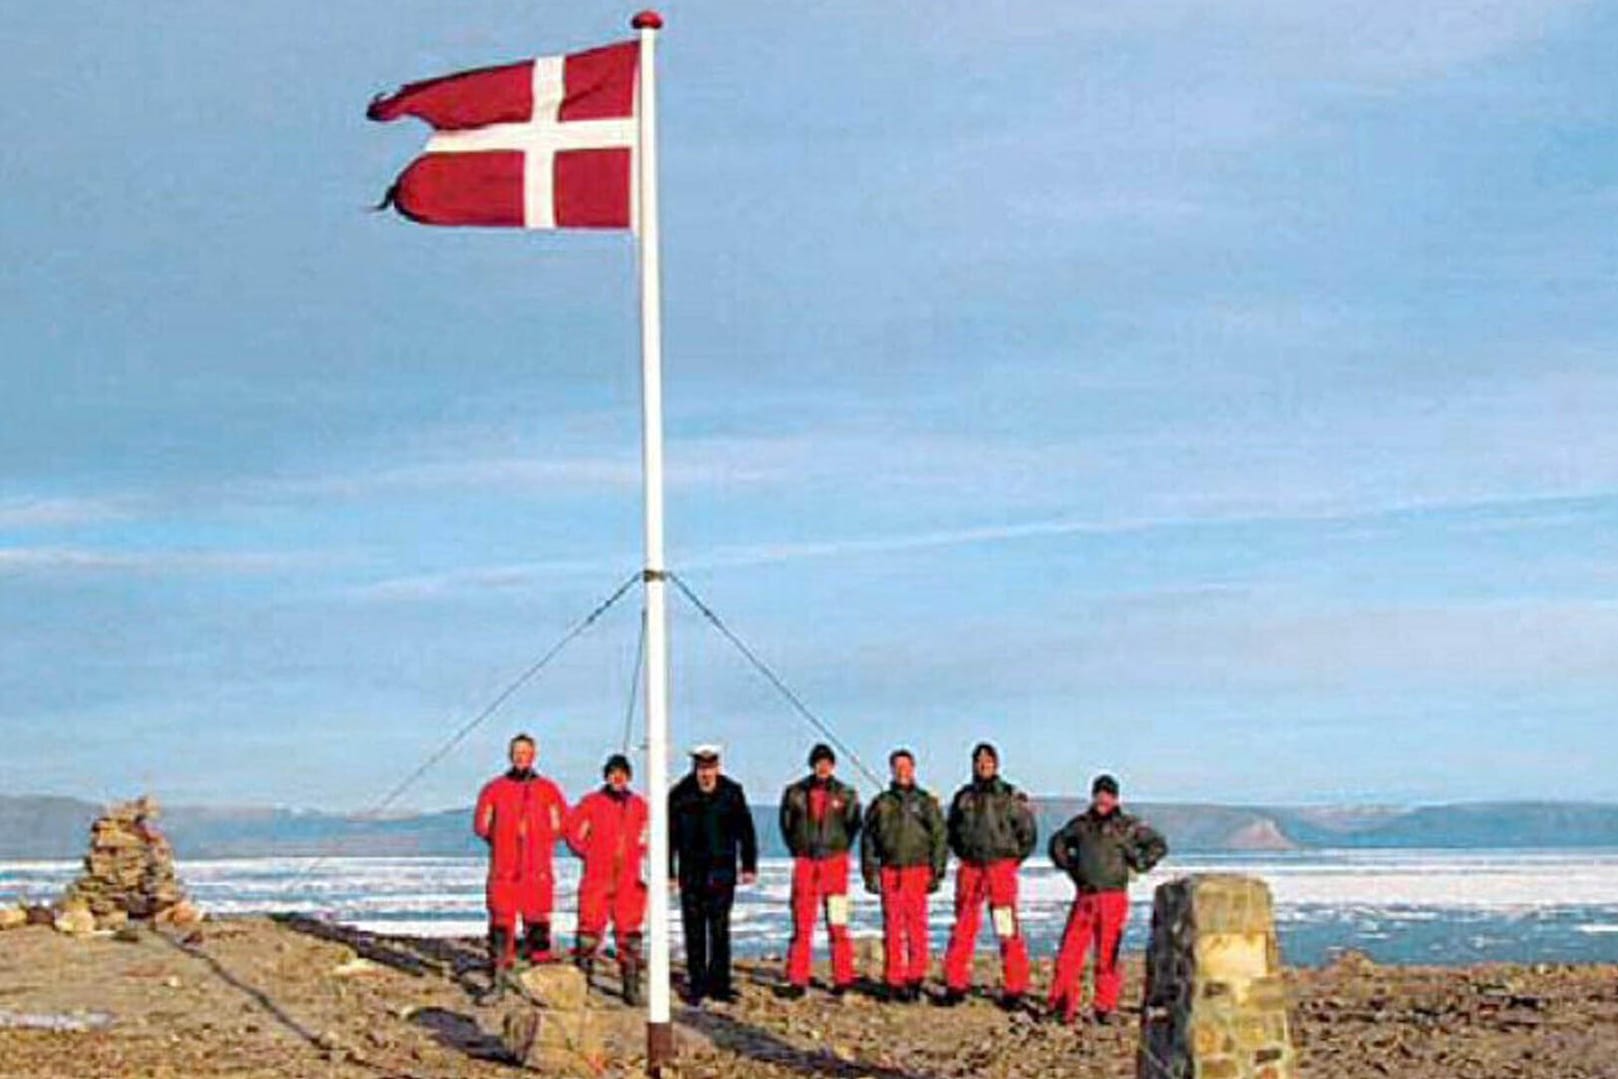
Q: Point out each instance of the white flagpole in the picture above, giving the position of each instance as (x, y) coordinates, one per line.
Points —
(659, 1028)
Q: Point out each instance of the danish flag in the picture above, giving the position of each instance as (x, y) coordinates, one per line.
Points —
(542, 144)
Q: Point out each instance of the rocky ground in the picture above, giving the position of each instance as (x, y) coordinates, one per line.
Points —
(260, 997)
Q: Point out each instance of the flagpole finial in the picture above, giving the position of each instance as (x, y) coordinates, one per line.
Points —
(647, 20)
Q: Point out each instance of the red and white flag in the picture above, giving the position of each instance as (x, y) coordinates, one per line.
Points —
(542, 144)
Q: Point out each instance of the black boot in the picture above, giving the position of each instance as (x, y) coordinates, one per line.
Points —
(584, 955)
(629, 967)
(537, 943)
(498, 939)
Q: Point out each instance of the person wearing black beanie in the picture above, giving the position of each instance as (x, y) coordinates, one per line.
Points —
(1100, 849)
(820, 819)
(992, 831)
(607, 831)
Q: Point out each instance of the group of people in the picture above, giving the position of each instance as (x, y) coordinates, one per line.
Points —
(522, 815)
(903, 841)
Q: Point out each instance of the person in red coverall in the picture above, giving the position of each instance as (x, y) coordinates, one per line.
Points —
(607, 830)
(520, 815)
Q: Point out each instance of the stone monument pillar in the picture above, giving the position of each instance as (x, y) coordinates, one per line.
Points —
(1215, 1001)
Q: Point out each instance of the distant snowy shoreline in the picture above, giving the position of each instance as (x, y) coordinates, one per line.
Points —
(1439, 906)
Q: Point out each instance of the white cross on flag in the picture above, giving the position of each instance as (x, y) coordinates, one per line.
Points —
(542, 144)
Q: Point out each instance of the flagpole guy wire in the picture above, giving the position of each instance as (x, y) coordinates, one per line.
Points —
(533, 670)
(774, 679)
(634, 685)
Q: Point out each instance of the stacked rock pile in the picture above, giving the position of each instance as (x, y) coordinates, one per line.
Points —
(1216, 1003)
(128, 874)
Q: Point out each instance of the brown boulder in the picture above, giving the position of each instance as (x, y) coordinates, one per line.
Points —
(554, 1042)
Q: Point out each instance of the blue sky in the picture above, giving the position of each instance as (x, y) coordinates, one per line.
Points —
(1222, 395)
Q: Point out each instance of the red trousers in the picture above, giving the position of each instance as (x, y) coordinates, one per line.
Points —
(818, 882)
(904, 923)
(621, 901)
(1097, 919)
(530, 898)
(996, 884)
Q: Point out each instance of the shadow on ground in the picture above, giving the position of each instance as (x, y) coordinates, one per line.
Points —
(461, 1033)
(263, 1000)
(733, 1034)
(419, 956)
(464, 1033)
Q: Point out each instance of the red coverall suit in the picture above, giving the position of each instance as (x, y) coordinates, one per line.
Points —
(520, 815)
(607, 830)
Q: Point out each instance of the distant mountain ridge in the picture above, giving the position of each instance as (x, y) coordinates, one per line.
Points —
(50, 827)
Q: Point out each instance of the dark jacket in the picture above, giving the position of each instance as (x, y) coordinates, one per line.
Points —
(991, 822)
(1099, 853)
(833, 831)
(903, 827)
(709, 832)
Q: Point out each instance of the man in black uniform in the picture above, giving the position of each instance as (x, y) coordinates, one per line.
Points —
(710, 830)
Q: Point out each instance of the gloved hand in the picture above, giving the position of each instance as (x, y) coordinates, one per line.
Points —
(873, 886)
(934, 882)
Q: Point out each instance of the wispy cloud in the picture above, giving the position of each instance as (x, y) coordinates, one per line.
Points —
(43, 512)
(1463, 516)
(1384, 41)
(540, 469)
(79, 561)
(483, 579)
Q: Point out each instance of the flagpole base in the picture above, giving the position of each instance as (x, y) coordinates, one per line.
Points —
(659, 1047)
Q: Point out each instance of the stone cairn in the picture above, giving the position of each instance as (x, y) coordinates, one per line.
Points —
(128, 874)
(1216, 1004)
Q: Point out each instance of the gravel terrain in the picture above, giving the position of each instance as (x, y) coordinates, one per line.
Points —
(285, 997)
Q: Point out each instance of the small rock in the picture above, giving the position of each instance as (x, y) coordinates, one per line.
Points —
(553, 1042)
(12, 917)
(60, 1022)
(356, 967)
(1351, 961)
(560, 986)
(75, 922)
(181, 915)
